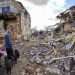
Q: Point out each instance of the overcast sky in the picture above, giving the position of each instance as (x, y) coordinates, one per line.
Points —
(43, 12)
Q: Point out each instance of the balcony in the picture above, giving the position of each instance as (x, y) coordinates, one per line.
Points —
(7, 7)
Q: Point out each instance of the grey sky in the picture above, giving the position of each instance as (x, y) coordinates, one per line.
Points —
(39, 2)
(43, 12)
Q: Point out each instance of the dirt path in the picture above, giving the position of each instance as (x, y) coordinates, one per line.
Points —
(17, 69)
(2, 71)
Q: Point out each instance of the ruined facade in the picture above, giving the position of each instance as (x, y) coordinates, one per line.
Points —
(16, 16)
(67, 20)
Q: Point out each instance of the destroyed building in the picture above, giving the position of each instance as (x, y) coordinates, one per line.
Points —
(17, 17)
(66, 23)
(67, 20)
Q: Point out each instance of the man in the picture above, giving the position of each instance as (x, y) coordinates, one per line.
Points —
(8, 42)
(9, 49)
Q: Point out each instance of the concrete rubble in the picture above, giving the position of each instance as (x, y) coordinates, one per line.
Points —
(41, 58)
(56, 57)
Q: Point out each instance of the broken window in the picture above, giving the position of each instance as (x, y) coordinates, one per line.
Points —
(58, 30)
(73, 15)
(73, 24)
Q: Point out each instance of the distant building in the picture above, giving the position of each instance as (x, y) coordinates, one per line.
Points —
(16, 16)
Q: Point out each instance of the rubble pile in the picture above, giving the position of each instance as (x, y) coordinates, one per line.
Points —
(41, 53)
(37, 69)
(50, 58)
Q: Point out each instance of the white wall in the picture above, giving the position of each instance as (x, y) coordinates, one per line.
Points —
(25, 26)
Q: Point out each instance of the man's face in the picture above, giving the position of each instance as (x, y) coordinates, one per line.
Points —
(8, 28)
